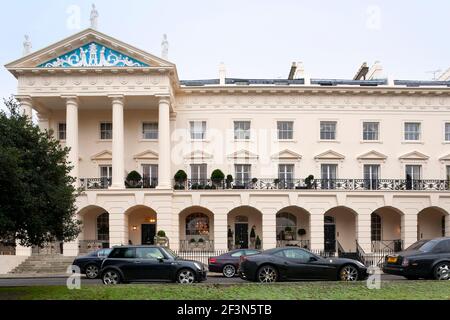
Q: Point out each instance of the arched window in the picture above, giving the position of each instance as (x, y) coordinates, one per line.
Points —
(375, 227)
(197, 224)
(103, 227)
(286, 226)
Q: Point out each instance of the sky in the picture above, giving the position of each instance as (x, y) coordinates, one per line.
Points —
(254, 38)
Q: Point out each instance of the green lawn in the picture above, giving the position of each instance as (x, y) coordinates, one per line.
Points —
(299, 291)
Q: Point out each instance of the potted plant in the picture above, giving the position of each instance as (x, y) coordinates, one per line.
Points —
(217, 177)
(229, 180)
(252, 234)
(288, 233)
(309, 181)
(133, 180)
(258, 243)
(301, 232)
(254, 181)
(161, 238)
(180, 178)
(276, 182)
(230, 234)
(192, 242)
(201, 242)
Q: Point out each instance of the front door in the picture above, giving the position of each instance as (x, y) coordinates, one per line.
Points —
(330, 237)
(241, 235)
(148, 233)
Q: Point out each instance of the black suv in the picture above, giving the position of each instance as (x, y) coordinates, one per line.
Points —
(144, 263)
(424, 259)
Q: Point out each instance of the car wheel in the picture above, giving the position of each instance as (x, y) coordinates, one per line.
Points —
(186, 276)
(267, 274)
(111, 277)
(442, 271)
(229, 271)
(348, 273)
(92, 271)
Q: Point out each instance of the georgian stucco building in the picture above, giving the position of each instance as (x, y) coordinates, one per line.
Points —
(379, 151)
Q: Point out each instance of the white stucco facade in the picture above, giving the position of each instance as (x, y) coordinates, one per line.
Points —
(120, 118)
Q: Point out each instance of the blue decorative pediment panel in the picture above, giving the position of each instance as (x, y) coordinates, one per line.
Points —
(93, 55)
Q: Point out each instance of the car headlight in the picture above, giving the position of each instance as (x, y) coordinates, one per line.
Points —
(198, 265)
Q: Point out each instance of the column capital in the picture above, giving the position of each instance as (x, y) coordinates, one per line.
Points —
(117, 98)
(71, 99)
(163, 99)
(24, 99)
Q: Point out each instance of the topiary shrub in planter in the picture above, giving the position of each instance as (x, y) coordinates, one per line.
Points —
(217, 177)
(180, 178)
(229, 180)
(252, 233)
(258, 243)
(161, 238)
(301, 232)
(309, 181)
(133, 180)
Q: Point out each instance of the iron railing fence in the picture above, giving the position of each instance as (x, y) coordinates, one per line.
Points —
(316, 184)
(395, 245)
(87, 246)
(105, 183)
(48, 248)
(199, 255)
(7, 249)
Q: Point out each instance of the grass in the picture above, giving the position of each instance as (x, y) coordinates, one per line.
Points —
(390, 290)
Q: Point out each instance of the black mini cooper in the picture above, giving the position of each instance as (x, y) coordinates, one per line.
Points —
(146, 263)
(428, 259)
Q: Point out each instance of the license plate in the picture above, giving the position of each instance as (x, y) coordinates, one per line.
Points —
(392, 260)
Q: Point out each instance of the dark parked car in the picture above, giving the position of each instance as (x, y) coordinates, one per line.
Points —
(91, 263)
(298, 264)
(228, 263)
(429, 259)
(144, 263)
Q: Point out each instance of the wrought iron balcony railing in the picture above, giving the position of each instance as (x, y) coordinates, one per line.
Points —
(105, 183)
(317, 184)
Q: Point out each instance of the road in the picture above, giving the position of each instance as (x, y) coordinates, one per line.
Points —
(61, 281)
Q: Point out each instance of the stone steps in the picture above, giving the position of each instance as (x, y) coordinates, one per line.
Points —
(44, 264)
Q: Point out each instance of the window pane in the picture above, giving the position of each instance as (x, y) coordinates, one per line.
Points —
(412, 131)
(242, 130)
(370, 130)
(149, 253)
(199, 172)
(447, 131)
(106, 130)
(62, 131)
(198, 130)
(328, 130)
(242, 173)
(149, 130)
(285, 130)
(197, 224)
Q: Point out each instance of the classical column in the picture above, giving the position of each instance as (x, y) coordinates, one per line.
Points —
(363, 233)
(118, 227)
(26, 105)
(164, 162)
(409, 227)
(118, 155)
(220, 228)
(269, 228)
(72, 134)
(316, 231)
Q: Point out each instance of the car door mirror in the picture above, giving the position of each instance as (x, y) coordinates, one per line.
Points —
(161, 259)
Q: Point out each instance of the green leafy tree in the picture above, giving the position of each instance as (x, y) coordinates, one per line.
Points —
(37, 198)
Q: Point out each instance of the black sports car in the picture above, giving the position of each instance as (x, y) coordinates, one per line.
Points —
(298, 264)
(144, 263)
(91, 263)
(228, 263)
(424, 259)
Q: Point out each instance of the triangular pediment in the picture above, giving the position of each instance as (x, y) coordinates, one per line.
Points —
(104, 155)
(414, 155)
(146, 155)
(100, 51)
(198, 154)
(286, 155)
(329, 155)
(372, 155)
(445, 158)
(243, 154)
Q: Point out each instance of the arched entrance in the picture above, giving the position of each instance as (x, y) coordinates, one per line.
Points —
(244, 228)
(431, 223)
(385, 229)
(340, 230)
(142, 225)
(196, 229)
(293, 227)
(95, 229)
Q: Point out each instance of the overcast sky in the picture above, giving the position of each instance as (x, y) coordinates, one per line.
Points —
(254, 38)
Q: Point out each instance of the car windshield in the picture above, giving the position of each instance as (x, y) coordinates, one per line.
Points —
(172, 254)
(423, 245)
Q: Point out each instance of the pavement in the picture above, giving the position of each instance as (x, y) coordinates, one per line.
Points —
(60, 280)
